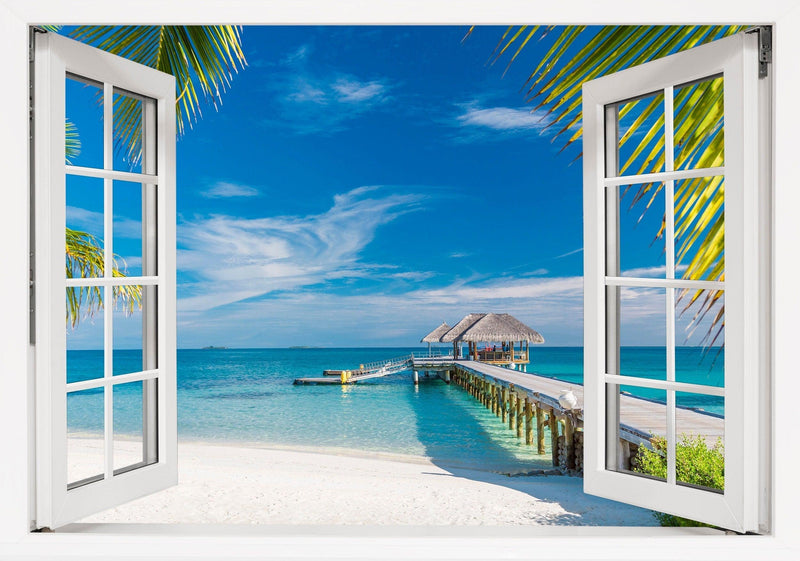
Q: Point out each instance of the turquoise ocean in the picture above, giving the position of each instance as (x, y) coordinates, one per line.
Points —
(246, 396)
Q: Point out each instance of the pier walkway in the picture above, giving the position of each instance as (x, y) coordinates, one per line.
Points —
(525, 401)
(639, 418)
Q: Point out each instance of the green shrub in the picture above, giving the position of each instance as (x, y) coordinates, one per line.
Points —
(696, 464)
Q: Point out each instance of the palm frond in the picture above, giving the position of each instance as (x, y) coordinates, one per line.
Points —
(578, 54)
(72, 141)
(85, 259)
(203, 60)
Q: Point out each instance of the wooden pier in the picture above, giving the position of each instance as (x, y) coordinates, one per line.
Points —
(529, 405)
(518, 398)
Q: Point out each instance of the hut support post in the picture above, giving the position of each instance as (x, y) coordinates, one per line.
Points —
(539, 430)
(554, 436)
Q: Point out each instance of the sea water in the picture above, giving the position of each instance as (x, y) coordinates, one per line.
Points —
(247, 396)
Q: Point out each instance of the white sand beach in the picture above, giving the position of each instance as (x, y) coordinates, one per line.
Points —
(252, 485)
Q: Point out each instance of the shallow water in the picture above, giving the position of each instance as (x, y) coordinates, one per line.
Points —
(247, 395)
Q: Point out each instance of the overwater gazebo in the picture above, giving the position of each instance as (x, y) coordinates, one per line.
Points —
(506, 330)
(435, 336)
(457, 330)
(506, 339)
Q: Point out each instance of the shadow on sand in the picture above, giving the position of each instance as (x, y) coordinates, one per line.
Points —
(504, 466)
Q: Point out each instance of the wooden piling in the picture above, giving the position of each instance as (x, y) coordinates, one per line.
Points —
(520, 419)
(553, 436)
(539, 429)
(569, 442)
(528, 422)
(512, 405)
(504, 404)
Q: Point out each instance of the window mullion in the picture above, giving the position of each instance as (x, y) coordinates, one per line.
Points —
(669, 245)
(108, 273)
(612, 267)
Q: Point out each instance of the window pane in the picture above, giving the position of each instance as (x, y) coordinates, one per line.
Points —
(640, 212)
(134, 425)
(129, 317)
(127, 227)
(637, 433)
(700, 228)
(84, 220)
(700, 337)
(699, 132)
(85, 334)
(127, 132)
(84, 123)
(699, 450)
(641, 135)
(642, 333)
(85, 444)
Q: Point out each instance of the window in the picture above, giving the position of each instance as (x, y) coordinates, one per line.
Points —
(720, 202)
(15, 410)
(130, 385)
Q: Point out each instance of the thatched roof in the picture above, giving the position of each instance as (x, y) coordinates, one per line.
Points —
(459, 328)
(435, 335)
(500, 327)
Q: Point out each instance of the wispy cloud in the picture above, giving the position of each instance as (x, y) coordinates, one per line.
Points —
(92, 222)
(224, 190)
(553, 306)
(567, 254)
(231, 259)
(502, 118)
(313, 100)
(354, 91)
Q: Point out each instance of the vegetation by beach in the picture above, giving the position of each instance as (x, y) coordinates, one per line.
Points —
(696, 464)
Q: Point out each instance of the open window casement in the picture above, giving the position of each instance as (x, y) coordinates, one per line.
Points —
(106, 424)
(696, 204)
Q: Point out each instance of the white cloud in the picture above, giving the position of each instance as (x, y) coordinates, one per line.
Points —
(354, 91)
(236, 258)
(303, 91)
(92, 222)
(224, 190)
(297, 56)
(309, 100)
(505, 119)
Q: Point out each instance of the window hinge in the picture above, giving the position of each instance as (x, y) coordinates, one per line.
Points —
(764, 48)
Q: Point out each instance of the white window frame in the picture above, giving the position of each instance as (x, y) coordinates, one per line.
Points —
(218, 542)
(745, 287)
(56, 57)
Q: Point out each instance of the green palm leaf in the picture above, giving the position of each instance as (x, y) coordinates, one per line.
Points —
(72, 141)
(578, 54)
(203, 60)
(85, 259)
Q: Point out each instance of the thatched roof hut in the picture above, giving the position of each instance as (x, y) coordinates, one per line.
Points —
(459, 328)
(436, 335)
(499, 327)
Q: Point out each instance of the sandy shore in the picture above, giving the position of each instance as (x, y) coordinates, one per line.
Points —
(250, 485)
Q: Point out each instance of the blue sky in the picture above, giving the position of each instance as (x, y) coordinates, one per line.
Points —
(360, 185)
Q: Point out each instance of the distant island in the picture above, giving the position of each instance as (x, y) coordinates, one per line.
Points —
(304, 347)
(212, 347)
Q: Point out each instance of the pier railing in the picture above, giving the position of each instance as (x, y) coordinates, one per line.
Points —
(432, 353)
